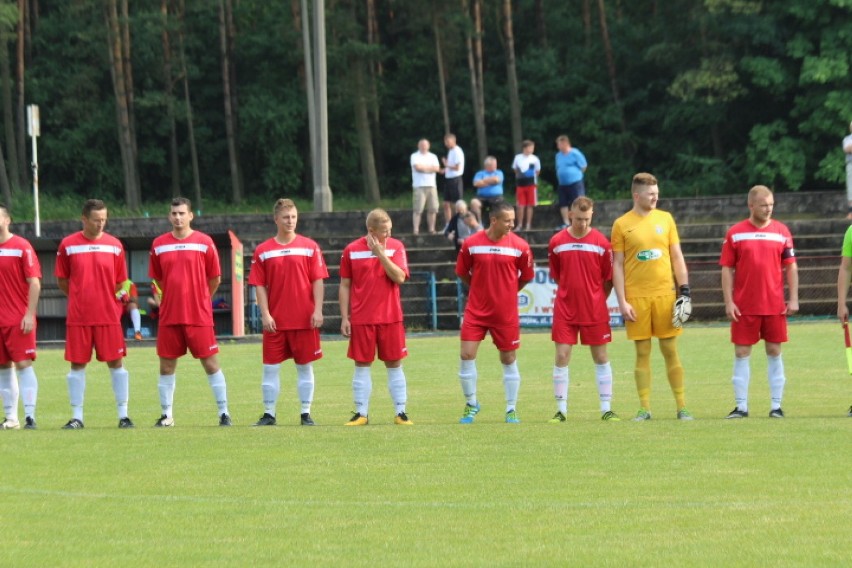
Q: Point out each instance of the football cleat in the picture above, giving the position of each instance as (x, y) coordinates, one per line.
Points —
(266, 420)
(357, 420)
(403, 419)
(642, 415)
(737, 413)
(610, 416)
(470, 412)
(306, 420)
(512, 417)
(125, 422)
(224, 420)
(164, 422)
(776, 413)
(557, 418)
(29, 423)
(684, 414)
(73, 424)
(9, 424)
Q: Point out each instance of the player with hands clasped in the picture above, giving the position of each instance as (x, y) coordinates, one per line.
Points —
(756, 255)
(185, 263)
(287, 273)
(581, 264)
(371, 271)
(20, 288)
(647, 265)
(495, 264)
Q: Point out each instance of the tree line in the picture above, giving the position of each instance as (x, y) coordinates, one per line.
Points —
(141, 101)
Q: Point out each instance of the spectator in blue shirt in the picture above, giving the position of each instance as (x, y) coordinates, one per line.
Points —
(489, 186)
(570, 166)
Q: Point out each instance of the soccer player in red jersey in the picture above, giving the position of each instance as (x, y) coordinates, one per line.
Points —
(495, 264)
(371, 271)
(90, 269)
(20, 287)
(185, 263)
(287, 272)
(581, 264)
(756, 255)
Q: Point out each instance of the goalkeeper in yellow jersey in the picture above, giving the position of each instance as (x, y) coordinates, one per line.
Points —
(652, 285)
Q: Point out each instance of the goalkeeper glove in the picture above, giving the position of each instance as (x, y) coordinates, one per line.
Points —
(682, 307)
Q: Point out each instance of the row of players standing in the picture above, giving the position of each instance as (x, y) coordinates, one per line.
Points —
(288, 270)
(570, 164)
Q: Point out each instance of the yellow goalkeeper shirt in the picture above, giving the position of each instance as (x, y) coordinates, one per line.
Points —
(646, 243)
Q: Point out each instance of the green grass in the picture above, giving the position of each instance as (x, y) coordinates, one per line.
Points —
(582, 493)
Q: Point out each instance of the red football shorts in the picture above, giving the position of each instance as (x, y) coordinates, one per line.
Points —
(174, 340)
(300, 345)
(504, 338)
(15, 345)
(107, 341)
(526, 195)
(386, 338)
(598, 334)
(751, 329)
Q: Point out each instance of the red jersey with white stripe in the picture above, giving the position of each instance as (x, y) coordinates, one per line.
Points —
(758, 257)
(288, 273)
(580, 268)
(495, 269)
(18, 261)
(94, 269)
(374, 298)
(183, 268)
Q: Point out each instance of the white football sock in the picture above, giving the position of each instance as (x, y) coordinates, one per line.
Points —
(10, 393)
(603, 374)
(397, 388)
(468, 376)
(511, 385)
(166, 385)
(561, 378)
(776, 380)
(121, 389)
(362, 388)
(136, 318)
(305, 386)
(271, 387)
(29, 390)
(220, 390)
(76, 392)
(741, 378)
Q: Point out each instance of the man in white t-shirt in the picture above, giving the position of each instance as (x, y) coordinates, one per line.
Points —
(526, 166)
(453, 171)
(424, 166)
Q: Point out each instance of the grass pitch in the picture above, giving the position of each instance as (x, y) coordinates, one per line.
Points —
(704, 493)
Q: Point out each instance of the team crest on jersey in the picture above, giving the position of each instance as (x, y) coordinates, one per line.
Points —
(659, 230)
(650, 254)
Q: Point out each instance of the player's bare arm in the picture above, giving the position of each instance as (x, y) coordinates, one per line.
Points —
(343, 300)
(34, 291)
(263, 305)
(792, 272)
(318, 291)
(731, 309)
(679, 265)
(63, 285)
(213, 284)
(618, 284)
(844, 276)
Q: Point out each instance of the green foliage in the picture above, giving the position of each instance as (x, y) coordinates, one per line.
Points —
(775, 159)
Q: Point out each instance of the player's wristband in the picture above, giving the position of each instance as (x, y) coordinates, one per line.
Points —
(684, 290)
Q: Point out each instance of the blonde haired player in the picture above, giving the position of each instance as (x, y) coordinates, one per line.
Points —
(371, 271)
(648, 264)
